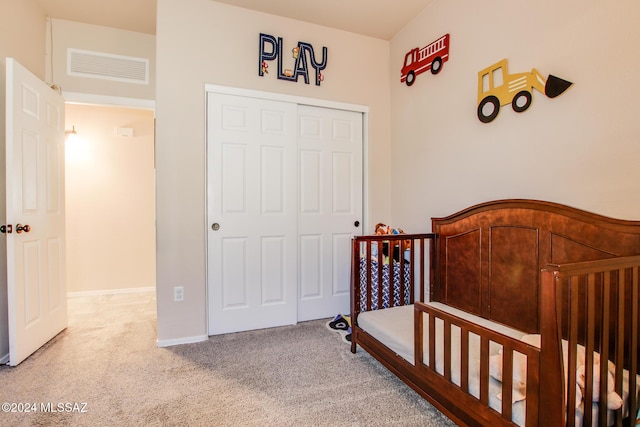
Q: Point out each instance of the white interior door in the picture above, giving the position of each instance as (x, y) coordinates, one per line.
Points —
(330, 163)
(34, 198)
(252, 185)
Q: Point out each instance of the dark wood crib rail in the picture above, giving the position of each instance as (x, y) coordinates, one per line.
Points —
(374, 247)
(594, 304)
(421, 257)
(472, 410)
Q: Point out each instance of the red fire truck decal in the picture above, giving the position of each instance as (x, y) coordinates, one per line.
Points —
(431, 57)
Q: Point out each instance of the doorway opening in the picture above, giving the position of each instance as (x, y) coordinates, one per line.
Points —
(110, 199)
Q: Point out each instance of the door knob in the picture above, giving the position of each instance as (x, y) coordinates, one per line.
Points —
(20, 228)
(357, 223)
(215, 226)
(6, 228)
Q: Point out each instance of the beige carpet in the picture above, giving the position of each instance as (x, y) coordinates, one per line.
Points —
(107, 365)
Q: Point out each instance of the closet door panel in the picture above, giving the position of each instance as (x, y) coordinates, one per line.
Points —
(330, 153)
(252, 266)
(311, 269)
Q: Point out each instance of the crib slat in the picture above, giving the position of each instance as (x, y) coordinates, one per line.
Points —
(380, 274)
(572, 337)
(356, 283)
(620, 329)
(447, 349)
(464, 359)
(369, 275)
(589, 348)
(507, 381)
(533, 388)
(421, 273)
(413, 247)
(402, 274)
(604, 331)
(392, 277)
(619, 339)
(418, 330)
(633, 352)
(432, 342)
(484, 370)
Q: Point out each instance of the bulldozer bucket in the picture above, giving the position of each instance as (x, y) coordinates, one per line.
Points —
(555, 86)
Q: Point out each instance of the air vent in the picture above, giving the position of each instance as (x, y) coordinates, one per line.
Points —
(99, 65)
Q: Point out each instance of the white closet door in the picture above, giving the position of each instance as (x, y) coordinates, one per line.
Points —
(330, 201)
(252, 209)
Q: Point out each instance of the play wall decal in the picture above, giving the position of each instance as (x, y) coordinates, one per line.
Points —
(303, 59)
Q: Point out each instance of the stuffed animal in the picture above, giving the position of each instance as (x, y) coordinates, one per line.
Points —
(383, 229)
(614, 401)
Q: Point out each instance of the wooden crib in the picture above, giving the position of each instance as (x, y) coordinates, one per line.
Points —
(546, 292)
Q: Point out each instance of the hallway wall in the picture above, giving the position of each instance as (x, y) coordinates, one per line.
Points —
(110, 200)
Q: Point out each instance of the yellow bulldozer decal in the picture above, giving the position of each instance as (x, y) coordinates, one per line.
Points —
(497, 88)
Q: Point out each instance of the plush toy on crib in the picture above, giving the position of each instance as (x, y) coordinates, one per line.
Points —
(385, 229)
(382, 229)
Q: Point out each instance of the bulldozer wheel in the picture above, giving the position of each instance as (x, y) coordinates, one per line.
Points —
(436, 66)
(411, 78)
(495, 103)
(517, 104)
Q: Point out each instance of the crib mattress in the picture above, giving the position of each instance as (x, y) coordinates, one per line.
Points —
(394, 327)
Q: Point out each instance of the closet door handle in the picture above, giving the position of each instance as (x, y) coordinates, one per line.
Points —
(357, 223)
(215, 226)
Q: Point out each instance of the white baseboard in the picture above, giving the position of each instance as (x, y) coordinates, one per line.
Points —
(5, 359)
(178, 341)
(111, 292)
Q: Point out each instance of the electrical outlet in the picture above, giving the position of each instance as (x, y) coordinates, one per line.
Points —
(178, 293)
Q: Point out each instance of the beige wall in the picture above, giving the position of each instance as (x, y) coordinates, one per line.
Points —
(580, 148)
(199, 42)
(22, 34)
(94, 38)
(110, 199)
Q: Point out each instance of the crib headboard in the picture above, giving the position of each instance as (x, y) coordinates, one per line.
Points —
(489, 256)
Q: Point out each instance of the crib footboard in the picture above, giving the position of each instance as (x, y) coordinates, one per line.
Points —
(459, 358)
(388, 271)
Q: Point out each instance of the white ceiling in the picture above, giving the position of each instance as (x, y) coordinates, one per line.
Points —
(375, 18)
